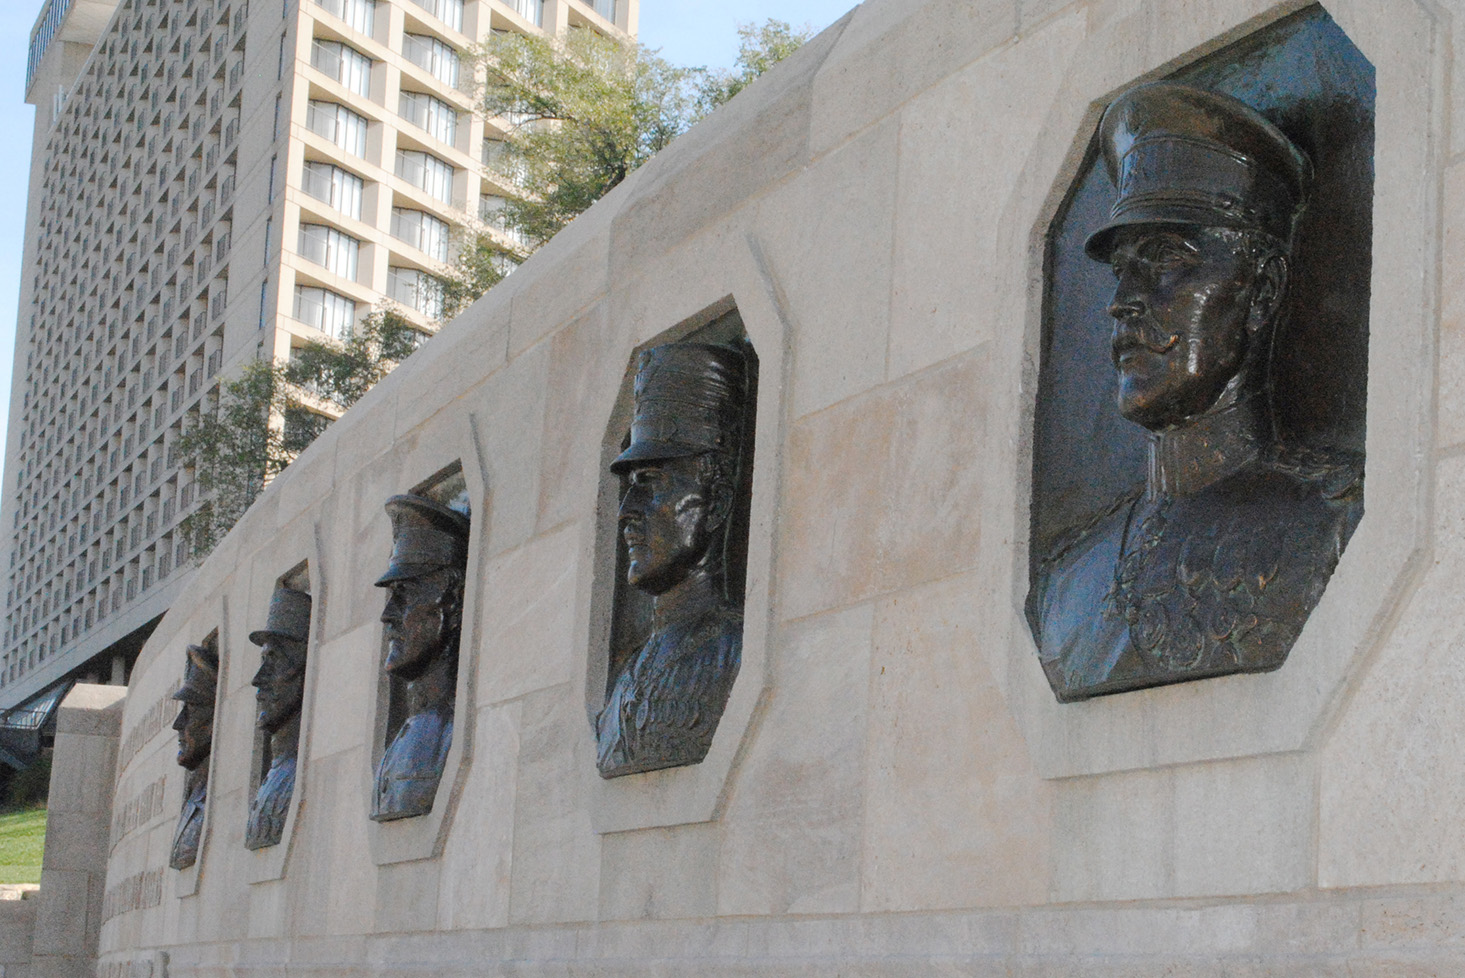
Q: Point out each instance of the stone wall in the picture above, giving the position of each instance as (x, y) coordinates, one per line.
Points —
(894, 789)
(70, 905)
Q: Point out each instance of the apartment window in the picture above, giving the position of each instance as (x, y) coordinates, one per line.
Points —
(426, 172)
(502, 161)
(327, 311)
(333, 250)
(450, 12)
(421, 230)
(606, 9)
(437, 117)
(338, 124)
(343, 63)
(274, 160)
(530, 10)
(360, 14)
(415, 290)
(275, 131)
(337, 187)
(280, 70)
(490, 212)
(437, 58)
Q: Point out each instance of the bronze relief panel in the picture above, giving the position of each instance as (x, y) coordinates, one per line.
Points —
(1198, 458)
(422, 623)
(685, 473)
(195, 725)
(280, 686)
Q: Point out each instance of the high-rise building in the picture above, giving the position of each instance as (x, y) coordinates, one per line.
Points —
(213, 181)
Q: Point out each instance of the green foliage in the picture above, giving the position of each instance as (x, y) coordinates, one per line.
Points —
(759, 49)
(342, 373)
(30, 786)
(264, 420)
(586, 111)
(480, 264)
(22, 843)
(233, 452)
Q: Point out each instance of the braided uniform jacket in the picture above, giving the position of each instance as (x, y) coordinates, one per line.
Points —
(665, 706)
(271, 804)
(1183, 587)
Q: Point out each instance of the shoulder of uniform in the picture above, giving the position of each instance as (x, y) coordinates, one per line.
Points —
(1338, 474)
(1066, 541)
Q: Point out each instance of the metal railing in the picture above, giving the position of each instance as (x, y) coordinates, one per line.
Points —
(43, 35)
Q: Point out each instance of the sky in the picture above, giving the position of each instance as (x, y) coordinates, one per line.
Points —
(687, 32)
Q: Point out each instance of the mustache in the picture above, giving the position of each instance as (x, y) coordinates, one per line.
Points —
(1141, 333)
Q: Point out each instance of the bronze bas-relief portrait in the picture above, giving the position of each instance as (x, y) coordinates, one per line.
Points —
(681, 472)
(195, 726)
(280, 682)
(1212, 566)
(423, 620)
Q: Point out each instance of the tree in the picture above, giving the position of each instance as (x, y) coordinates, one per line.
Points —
(341, 373)
(586, 110)
(262, 421)
(233, 451)
(759, 49)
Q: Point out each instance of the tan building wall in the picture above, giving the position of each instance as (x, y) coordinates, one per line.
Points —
(894, 789)
(164, 251)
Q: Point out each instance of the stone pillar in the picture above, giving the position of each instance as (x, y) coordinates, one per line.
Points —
(74, 867)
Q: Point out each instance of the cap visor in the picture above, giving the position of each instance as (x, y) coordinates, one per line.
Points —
(403, 572)
(1100, 244)
(653, 451)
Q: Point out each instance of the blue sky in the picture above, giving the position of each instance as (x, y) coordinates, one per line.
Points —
(688, 32)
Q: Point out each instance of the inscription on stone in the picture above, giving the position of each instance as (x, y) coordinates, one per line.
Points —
(139, 891)
(138, 810)
(148, 726)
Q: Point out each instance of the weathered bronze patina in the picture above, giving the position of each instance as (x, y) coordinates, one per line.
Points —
(281, 685)
(195, 726)
(1212, 566)
(681, 472)
(424, 619)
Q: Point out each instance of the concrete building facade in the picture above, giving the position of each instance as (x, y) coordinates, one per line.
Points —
(213, 181)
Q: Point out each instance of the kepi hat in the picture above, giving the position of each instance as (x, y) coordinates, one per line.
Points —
(1183, 155)
(426, 536)
(289, 617)
(200, 677)
(689, 400)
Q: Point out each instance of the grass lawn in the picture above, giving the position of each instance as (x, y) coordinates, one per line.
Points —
(22, 838)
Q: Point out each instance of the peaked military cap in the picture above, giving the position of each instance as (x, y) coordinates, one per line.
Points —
(289, 617)
(426, 536)
(1183, 155)
(200, 677)
(689, 400)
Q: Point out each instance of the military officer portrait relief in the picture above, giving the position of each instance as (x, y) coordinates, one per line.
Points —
(1212, 565)
(280, 682)
(423, 620)
(682, 475)
(195, 726)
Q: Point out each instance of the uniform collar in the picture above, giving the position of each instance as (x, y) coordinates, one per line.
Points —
(1187, 459)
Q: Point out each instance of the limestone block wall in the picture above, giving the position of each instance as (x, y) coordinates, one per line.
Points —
(894, 789)
(69, 907)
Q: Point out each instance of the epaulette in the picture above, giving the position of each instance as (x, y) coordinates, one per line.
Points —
(1337, 473)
